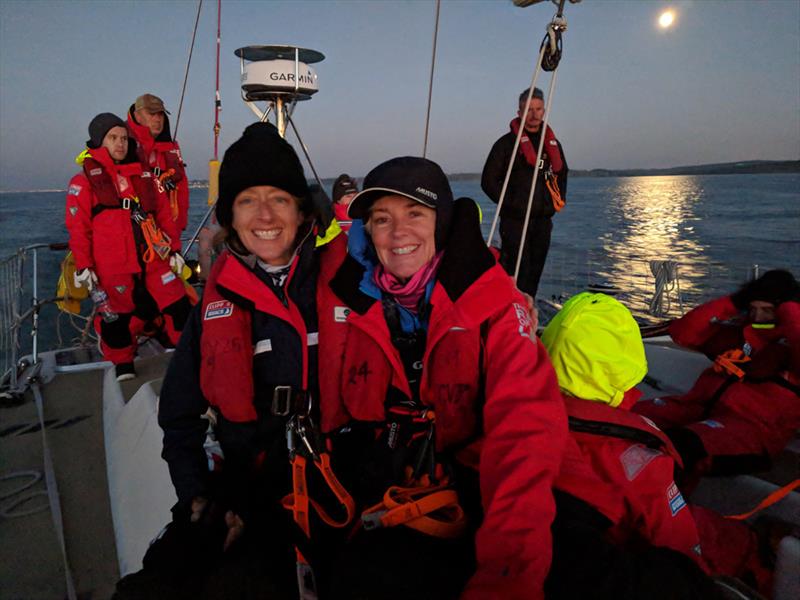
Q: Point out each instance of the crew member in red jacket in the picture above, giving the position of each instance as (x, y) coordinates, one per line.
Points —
(744, 409)
(123, 239)
(149, 125)
(597, 351)
(431, 381)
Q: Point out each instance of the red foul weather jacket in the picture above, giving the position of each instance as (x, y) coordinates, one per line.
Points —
(636, 461)
(163, 154)
(758, 413)
(492, 389)
(101, 232)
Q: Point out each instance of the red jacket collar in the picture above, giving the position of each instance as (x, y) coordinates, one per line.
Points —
(141, 134)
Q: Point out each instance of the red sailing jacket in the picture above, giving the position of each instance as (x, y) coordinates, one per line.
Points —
(638, 473)
(767, 397)
(101, 233)
(226, 342)
(164, 155)
(514, 431)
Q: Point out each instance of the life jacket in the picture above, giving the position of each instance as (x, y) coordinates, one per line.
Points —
(551, 149)
(132, 184)
(226, 344)
(149, 150)
(747, 352)
(593, 418)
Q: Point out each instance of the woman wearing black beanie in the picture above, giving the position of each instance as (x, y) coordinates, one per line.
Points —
(247, 363)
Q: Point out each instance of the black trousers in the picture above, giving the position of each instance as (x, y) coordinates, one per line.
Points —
(534, 254)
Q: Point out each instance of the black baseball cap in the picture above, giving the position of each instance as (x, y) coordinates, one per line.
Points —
(419, 179)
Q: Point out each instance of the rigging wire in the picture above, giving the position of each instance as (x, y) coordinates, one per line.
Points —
(542, 136)
(430, 82)
(186, 73)
(217, 99)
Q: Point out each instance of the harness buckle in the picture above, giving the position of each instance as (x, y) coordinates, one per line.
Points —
(282, 401)
(372, 520)
(541, 163)
(126, 203)
(157, 171)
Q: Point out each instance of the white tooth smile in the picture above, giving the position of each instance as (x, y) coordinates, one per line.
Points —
(266, 234)
(405, 249)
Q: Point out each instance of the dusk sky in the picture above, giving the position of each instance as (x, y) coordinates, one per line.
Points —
(722, 84)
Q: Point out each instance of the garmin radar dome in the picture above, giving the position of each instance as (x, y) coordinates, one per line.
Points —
(278, 76)
(267, 71)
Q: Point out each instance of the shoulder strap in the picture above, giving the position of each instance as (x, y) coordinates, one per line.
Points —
(616, 430)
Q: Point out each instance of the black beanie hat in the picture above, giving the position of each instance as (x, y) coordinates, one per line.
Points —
(776, 286)
(260, 157)
(100, 126)
(343, 185)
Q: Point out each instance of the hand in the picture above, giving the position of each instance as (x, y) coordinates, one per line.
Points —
(199, 504)
(235, 528)
(176, 263)
(85, 278)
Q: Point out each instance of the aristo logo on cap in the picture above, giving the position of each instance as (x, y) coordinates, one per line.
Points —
(427, 193)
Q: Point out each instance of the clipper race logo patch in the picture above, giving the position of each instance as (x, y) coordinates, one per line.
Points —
(676, 501)
(218, 310)
(73, 210)
(524, 319)
(74, 190)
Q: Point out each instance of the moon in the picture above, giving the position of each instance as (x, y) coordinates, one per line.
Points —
(666, 19)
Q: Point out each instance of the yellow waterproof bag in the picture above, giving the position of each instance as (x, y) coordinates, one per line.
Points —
(65, 289)
(596, 348)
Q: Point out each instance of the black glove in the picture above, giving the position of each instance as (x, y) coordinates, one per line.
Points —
(776, 287)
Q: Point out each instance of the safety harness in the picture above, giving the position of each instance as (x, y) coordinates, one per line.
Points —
(141, 203)
(303, 443)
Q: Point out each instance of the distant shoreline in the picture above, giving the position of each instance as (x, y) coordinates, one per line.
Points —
(750, 167)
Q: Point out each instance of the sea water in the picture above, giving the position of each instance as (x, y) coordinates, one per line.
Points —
(715, 227)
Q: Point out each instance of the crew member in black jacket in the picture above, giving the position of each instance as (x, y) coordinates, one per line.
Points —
(551, 189)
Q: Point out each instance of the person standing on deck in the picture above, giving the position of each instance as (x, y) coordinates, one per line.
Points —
(116, 223)
(551, 189)
(149, 126)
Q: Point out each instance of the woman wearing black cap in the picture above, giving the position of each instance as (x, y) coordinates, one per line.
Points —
(247, 363)
(109, 205)
(431, 384)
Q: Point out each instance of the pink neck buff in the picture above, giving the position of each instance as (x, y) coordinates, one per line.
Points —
(407, 294)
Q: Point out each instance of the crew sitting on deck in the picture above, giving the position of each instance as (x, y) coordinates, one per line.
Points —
(123, 239)
(745, 408)
(598, 355)
(247, 363)
(443, 414)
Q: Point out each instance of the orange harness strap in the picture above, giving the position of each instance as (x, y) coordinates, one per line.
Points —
(299, 501)
(555, 193)
(728, 362)
(158, 242)
(771, 499)
(172, 192)
(415, 507)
